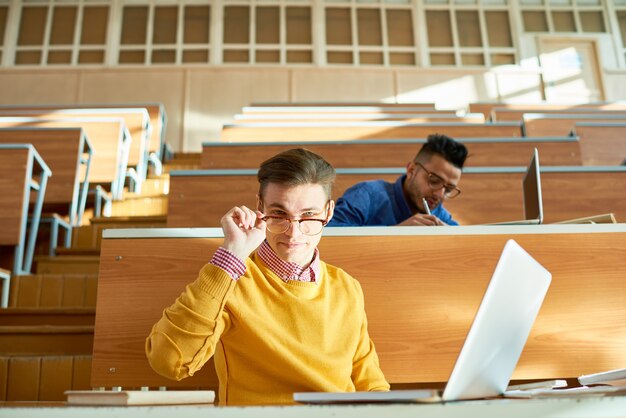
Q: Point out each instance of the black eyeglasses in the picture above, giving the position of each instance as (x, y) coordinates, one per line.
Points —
(435, 182)
(308, 226)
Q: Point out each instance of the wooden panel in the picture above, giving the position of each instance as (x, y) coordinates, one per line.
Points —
(557, 125)
(51, 291)
(73, 291)
(28, 291)
(514, 115)
(587, 270)
(364, 130)
(602, 144)
(47, 316)
(46, 339)
(81, 373)
(321, 105)
(91, 289)
(55, 378)
(13, 186)
(4, 376)
(200, 201)
(23, 380)
(61, 149)
(359, 154)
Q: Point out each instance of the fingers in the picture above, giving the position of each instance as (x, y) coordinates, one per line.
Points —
(243, 217)
(422, 220)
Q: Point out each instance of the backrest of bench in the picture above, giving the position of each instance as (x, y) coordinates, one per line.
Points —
(391, 153)
(201, 198)
(538, 124)
(602, 143)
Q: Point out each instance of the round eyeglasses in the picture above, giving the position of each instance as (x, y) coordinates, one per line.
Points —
(279, 224)
(436, 183)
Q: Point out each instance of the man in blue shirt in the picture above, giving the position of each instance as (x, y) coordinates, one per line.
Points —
(416, 198)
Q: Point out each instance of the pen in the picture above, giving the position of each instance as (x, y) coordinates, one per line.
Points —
(426, 208)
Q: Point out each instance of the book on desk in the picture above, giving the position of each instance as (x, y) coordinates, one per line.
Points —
(139, 397)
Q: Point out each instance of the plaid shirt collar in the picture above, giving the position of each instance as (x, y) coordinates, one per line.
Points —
(289, 271)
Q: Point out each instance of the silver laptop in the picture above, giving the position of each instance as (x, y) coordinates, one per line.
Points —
(531, 188)
(493, 344)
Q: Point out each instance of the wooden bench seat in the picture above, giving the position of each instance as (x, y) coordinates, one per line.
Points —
(54, 291)
(47, 316)
(199, 198)
(418, 312)
(43, 377)
(392, 152)
(335, 131)
(68, 153)
(110, 141)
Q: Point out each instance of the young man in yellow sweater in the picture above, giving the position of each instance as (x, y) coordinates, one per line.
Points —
(275, 317)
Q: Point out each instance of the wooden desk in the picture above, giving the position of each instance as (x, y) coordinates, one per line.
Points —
(137, 122)
(540, 124)
(546, 408)
(158, 117)
(336, 131)
(393, 152)
(22, 170)
(199, 198)
(419, 311)
(602, 143)
(68, 153)
(110, 141)
(489, 108)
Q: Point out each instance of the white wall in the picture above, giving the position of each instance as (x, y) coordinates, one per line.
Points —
(198, 100)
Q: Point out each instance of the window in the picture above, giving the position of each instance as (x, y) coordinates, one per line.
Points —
(268, 33)
(563, 16)
(61, 33)
(150, 33)
(469, 33)
(365, 33)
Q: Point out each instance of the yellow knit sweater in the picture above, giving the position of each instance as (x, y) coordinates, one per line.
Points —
(270, 338)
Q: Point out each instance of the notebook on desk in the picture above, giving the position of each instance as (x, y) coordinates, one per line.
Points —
(493, 344)
(531, 189)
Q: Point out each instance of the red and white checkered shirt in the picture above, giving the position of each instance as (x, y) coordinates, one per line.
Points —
(235, 267)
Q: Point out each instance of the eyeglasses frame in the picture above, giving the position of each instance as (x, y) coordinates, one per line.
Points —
(444, 186)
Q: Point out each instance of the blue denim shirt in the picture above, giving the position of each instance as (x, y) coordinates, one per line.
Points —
(378, 203)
